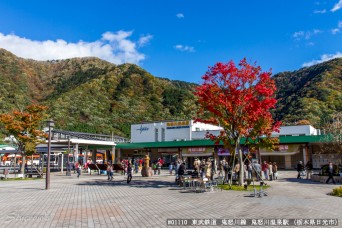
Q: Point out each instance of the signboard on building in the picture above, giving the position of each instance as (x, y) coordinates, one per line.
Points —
(197, 151)
(226, 152)
(177, 124)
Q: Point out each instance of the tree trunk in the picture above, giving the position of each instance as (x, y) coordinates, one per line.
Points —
(242, 171)
(23, 161)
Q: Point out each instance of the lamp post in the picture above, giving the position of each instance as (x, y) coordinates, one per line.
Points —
(50, 123)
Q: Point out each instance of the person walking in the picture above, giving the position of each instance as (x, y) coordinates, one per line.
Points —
(330, 173)
(300, 169)
(308, 168)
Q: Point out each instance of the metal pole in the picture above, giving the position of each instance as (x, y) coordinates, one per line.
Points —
(47, 179)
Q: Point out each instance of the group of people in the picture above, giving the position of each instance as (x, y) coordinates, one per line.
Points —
(157, 164)
(307, 171)
(266, 171)
(304, 170)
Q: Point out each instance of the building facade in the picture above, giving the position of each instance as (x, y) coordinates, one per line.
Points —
(171, 140)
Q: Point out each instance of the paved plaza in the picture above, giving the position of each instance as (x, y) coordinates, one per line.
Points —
(93, 201)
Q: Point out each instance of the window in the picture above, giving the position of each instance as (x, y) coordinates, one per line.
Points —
(163, 135)
(156, 135)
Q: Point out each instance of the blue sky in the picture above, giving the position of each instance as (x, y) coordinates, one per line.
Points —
(176, 39)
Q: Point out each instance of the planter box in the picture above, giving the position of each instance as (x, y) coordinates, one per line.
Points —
(323, 179)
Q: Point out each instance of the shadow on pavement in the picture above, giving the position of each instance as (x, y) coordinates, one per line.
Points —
(302, 181)
(133, 183)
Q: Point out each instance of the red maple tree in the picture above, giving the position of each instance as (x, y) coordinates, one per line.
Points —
(239, 99)
(25, 127)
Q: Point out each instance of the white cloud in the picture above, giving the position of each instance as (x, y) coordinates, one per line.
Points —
(335, 31)
(320, 11)
(339, 24)
(144, 40)
(184, 48)
(305, 34)
(337, 6)
(338, 29)
(180, 15)
(324, 58)
(113, 47)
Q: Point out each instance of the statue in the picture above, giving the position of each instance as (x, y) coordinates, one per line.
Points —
(146, 170)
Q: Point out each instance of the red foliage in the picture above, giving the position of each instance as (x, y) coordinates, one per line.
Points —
(239, 99)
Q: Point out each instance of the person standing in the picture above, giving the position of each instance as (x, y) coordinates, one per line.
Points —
(270, 171)
(136, 165)
(309, 168)
(202, 168)
(78, 169)
(275, 171)
(237, 170)
(249, 170)
(170, 168)
(257, 169)
(330, 173)
(220, 168)
(208, 169)
(264, 168)
(110, 172)
(129, 173)
(159, 165)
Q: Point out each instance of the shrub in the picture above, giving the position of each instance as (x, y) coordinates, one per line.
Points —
(337, 192)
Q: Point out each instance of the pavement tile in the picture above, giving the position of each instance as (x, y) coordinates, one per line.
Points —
(93, 201)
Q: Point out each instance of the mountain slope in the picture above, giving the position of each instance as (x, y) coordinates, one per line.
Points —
(92, 95)
(311, 94)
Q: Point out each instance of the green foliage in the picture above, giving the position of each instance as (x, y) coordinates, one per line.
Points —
(337, 191)
(241, 188)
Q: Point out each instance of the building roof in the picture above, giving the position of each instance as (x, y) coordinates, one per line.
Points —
(207, 142)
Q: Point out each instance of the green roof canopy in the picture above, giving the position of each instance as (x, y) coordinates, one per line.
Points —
(207, 142)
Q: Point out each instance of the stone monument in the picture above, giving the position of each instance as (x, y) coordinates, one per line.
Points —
(146, 171)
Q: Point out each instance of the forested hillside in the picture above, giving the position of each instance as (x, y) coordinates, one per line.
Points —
(310, 95)
(92, 95)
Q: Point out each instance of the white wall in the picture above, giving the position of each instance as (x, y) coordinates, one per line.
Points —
(296, 130)
(142, 132)
(188, 130)
(203, 127)
(174, 130)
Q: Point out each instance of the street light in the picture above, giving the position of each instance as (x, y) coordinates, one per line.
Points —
(50, 123)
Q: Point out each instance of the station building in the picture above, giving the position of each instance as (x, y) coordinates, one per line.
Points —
(171, 140)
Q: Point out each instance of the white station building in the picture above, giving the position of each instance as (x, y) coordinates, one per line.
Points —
(191, 130)
(187, 140)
